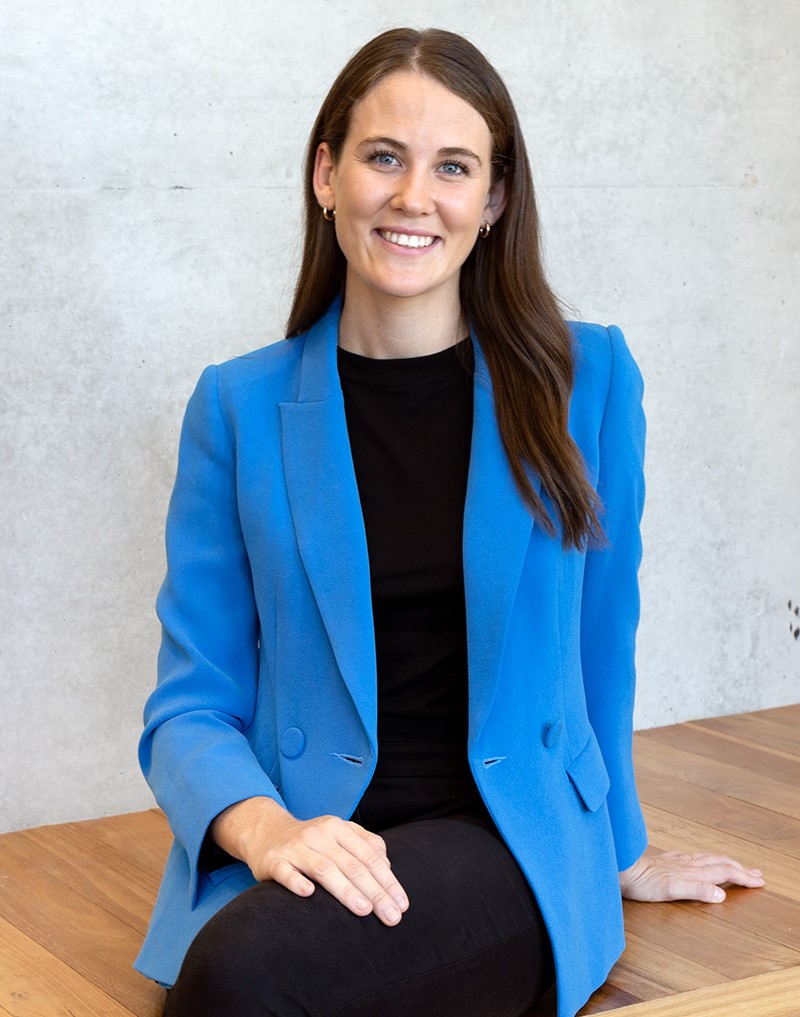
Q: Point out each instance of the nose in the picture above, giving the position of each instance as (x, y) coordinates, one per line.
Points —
(414, 194)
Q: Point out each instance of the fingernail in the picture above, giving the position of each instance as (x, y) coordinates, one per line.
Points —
(400, 901)
(719, 895)
(362, 904)
(756, 872)
(391, 915)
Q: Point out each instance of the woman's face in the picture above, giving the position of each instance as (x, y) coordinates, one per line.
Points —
(411, 188)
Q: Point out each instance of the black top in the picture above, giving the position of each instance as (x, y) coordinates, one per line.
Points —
(410, 424)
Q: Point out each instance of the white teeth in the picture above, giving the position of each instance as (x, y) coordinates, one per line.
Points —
(406, 239)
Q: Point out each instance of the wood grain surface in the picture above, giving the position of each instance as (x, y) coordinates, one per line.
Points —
(75, 898)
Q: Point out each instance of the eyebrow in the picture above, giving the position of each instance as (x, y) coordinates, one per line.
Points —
(450, 151)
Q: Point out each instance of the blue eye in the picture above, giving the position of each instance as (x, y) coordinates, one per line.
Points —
(384, 158)
(454, 169)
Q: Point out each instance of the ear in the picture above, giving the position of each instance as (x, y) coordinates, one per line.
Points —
(496, 201)
(324, 176)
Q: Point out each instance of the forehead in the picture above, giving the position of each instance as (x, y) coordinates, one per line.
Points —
(420, 106)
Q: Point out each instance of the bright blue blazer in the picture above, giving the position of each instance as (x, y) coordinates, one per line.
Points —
(267, 676)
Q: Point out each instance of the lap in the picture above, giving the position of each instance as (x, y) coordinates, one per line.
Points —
(471, 942)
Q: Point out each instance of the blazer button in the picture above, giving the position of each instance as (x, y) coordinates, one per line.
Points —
(293, 741)
(553, 734)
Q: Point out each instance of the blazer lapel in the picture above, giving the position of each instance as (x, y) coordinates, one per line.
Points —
(326, 510)
(497, 533)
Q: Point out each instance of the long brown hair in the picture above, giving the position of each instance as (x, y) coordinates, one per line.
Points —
(504, 294)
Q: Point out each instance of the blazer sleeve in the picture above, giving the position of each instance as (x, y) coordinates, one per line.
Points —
(610, 603)
(193, 751)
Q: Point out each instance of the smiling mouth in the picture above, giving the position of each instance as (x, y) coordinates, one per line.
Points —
(406, 239)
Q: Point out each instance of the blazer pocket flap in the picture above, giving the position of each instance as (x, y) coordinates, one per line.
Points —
(589, 775)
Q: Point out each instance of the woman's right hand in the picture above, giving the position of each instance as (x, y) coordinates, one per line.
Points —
(345, 859)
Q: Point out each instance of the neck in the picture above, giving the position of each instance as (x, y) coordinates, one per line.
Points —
(386, 328)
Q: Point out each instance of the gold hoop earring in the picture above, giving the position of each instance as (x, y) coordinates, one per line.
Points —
(328, 214)
(485, 230)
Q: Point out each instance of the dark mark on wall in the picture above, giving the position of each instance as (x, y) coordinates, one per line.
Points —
(794, 626)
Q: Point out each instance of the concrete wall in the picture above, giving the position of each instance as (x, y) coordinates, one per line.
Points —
(149, 185)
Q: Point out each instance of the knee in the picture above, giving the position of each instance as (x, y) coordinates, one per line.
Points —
(227, 970)
(254, 958)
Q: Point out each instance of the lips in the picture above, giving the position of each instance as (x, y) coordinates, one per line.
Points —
(406, 239)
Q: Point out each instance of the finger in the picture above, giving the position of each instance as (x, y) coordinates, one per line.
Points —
(349, 881)
(723, 870)
(346, 860)
(328, 876)
(371, 872)
(357, 872)
(707, 860)
(375, 841)
(687, 889)
(702, 860)
(706, 857)
(288, 875)
(373, 857)
(735, 875)
(378, 885)
(319, 868)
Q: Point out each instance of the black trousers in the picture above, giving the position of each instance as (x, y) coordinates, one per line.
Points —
(471, 943)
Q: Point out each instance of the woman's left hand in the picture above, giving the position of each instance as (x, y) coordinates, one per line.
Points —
(675, 875)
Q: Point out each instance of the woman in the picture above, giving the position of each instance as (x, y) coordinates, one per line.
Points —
(354, 699)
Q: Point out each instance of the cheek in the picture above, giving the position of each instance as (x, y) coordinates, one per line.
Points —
(362, 196)
(464, 210)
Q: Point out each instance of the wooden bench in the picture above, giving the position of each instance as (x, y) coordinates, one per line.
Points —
(75, 898)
